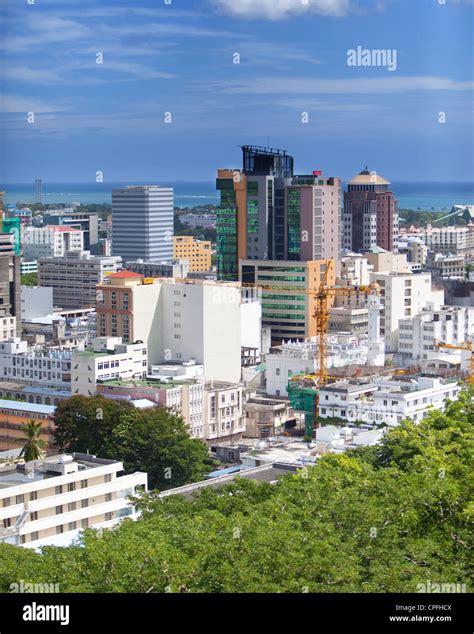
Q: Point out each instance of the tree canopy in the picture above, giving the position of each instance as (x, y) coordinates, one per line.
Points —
(152, 440)
(377, 519)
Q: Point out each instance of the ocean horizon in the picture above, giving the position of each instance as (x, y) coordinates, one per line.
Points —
(423, 196)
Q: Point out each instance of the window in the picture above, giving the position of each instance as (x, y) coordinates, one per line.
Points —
(34, 516)
(59, 529)
(277, 372)
(108, 477)
(71, 506)
(83, 484)
(71, 486)
(85, 523)
(19, 499)
(59, 509)
(33, 496)
(84, 503)
(34, 536)
(6, 502)
(108, 497)
(72, 526)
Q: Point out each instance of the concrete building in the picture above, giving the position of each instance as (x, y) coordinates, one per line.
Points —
(299, 357)
(48, 502)
(198, 252)
(451, 266)
(52, 241)
(81, 221)
(173, 268)
(74, 278)
(452, 239)
(178, 320)
(402, 295)
(355, 269)
(198, 220)
(10, 288)
(386, 400)
(289, 313)
(418, 335)
(142, 223)
(36, 301)
(267, 417)
(370, 216)
(108, 358)
(35, 365)
(416, 252)
(313, 209)
(14, 415)
(381, 261)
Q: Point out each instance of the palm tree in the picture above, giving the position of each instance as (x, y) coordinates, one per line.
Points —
(34, 446)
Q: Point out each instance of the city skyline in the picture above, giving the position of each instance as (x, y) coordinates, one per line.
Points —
(103, 76)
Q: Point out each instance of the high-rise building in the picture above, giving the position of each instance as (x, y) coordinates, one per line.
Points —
(370, 217)
(142, 223)
(251, 219)
(314, 208)
(10, 288)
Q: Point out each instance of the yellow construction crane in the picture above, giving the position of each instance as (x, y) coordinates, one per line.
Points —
(322, 296)
(462, 346)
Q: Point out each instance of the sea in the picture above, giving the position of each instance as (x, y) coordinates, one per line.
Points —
(422, 196)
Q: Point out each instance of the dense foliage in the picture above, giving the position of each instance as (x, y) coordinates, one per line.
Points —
(379, 519)
(29, 279)
(151, 440)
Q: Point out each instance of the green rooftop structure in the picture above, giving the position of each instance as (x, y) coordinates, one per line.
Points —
(303, 399)
(12, 225)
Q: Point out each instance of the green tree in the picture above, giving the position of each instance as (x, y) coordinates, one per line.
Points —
(35, 446)
(29, 279)
(152, 440)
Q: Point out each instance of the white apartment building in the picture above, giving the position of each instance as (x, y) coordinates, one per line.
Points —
(107, 359)
(223, 412)
(180, 320)
(74, 277)
(52, 241)
(454, 239)
(36, 365)
(48, 502)
(355, 270)
(418, 335)
(453, 266)
(7, 327)
(403, 295)
(386, 401)
(298, 357)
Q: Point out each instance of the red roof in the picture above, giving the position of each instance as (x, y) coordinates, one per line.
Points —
(124, 274)
(62, 229)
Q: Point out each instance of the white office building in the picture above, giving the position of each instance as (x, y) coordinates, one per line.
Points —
(52, 241)
(142, 223)
(418, 335)
(385, 400)
(49, 501)
(108, 358)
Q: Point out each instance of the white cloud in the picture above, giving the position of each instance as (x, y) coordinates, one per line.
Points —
(17, 104)
(278, 9)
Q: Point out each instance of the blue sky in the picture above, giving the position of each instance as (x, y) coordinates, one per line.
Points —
(178, 58)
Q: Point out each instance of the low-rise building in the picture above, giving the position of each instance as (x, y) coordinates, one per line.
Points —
(448, 265)
(266, 417)
(35, 365)
(107, 359)
(173, 268)
(14, 415)
(48, 502)
(418, 335)
(385, 400)
(52, 241)
(299, 357)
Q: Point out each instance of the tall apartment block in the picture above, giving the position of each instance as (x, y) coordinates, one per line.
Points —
(251, 220)
(370, 217)
(142, 223)
(10, 288)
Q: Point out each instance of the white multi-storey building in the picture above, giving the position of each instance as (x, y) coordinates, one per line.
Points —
(180, 320)
(108, 358)
(386, 401)
(52, 241)
(49, 501)
(299, 357)
(418, 335)
(223, 412)
(402, 295)
(74, 277)
(142, 223)
(453, 239)
(35, 365)
(452, 266)
(198, 220)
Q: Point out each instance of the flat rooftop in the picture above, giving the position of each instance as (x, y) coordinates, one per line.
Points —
(27, 408)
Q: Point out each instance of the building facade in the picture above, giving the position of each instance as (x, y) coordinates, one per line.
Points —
(198, 252)
(49, 501)
(14, 415)
(74, 278)
(52, 241)
(10, 288)
(370, 216)
(142, 223)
